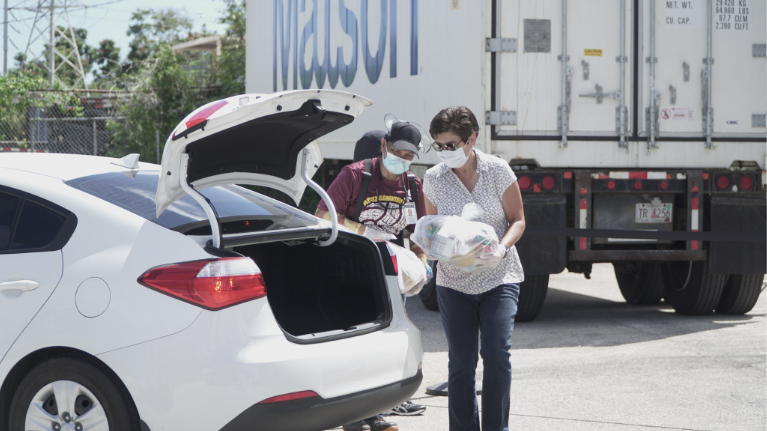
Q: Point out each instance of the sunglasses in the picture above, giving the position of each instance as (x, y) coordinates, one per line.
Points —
(450, 146)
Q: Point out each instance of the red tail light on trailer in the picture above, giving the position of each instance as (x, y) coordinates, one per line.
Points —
(746, 183)
(525, 182)
(723, 182)
(211, 284)
(548, 182)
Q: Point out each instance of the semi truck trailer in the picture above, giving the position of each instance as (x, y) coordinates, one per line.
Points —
(636, 128)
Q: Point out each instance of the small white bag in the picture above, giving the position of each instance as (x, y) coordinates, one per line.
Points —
(411, 273)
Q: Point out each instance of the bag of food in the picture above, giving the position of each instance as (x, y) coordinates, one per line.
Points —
(411, 273)
(470, 245)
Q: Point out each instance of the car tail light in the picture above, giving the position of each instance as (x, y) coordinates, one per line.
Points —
(210, 284)
(525, 182)
(290, 397)
(394, 262)
(723, 182)
(746, 183)
(637, 185)
(548, 182)
(664, 185)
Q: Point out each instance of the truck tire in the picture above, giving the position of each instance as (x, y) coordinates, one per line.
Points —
(428, 293)
(640, 282)
(740, 293)
(532, 294)
(691, 288)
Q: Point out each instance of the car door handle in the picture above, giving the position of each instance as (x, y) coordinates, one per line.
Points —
(22, 285)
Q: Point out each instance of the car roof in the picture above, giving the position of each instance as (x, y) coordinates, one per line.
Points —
(64, 166)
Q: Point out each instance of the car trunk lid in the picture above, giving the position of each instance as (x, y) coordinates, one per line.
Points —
(262, 140)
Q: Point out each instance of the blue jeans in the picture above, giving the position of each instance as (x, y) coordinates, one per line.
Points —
(488, 316)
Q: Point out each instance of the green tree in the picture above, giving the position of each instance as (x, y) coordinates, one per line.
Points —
(107, 58)
(19, 92)
(163, 93)
(151, 29)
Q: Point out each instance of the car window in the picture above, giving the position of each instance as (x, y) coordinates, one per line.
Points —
(37, 227)
(9, 204)
(238, 209)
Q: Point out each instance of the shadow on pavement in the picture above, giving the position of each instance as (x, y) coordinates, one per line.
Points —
(572, 319)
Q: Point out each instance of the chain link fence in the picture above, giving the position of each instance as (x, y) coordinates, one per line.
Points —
(61, 129)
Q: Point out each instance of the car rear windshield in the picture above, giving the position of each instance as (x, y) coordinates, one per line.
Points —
(238, 209)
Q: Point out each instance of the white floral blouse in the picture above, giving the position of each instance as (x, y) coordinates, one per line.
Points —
(446, 191)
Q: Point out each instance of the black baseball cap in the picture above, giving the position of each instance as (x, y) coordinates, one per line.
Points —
(404, 137)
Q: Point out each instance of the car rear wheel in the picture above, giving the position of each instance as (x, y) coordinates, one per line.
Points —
(428, 293)
(691, 287)
(740, 293)
(67, 393)
(532, 294)
(640, 282)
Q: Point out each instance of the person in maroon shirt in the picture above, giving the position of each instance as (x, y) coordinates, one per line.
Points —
(382, 214)
(388, 196)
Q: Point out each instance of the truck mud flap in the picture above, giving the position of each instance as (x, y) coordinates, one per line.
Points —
(541, 254)
(738, 214)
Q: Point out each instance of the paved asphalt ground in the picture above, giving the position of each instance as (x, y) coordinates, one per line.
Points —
(592, 362)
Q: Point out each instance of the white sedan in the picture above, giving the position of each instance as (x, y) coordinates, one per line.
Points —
(136, 296)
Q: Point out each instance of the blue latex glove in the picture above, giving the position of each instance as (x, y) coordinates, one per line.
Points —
(429, 273)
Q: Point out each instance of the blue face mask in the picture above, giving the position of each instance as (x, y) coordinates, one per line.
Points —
(396, 165)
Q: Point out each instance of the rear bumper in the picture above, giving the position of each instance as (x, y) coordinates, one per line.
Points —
(311, 414)
(227, 361)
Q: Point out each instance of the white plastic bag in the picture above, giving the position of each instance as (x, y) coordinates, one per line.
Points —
(411, 273)
(470, 245)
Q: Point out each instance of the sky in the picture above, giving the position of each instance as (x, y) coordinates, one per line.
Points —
(109, 19)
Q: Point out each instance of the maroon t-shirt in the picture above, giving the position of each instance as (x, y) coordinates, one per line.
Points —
(382, 210)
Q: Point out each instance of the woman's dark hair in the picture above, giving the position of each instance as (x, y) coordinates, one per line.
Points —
(457, 119)
(369, 145)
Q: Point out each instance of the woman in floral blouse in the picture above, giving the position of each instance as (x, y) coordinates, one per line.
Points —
(479, 305)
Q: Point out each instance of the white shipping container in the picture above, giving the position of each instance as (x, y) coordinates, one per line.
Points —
(619, 116)
(413, 58)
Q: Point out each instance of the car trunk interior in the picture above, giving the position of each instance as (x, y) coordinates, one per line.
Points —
(313, 289)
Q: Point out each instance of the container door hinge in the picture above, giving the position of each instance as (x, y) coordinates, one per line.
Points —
(500, 45)
(759, 50)
(672, 93)
(758, 120)
(501, 118)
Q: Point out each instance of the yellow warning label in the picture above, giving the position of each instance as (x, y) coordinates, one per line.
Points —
(592, 52)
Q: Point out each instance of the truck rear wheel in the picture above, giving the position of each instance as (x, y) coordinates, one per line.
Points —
(740, 293)
(640, 282)
(532, 294)
(691, 287)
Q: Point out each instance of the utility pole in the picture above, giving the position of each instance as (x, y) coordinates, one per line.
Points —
(5, 39)
(51, 58)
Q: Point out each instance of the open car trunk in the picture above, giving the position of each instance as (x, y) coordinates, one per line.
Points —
(323, 293)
